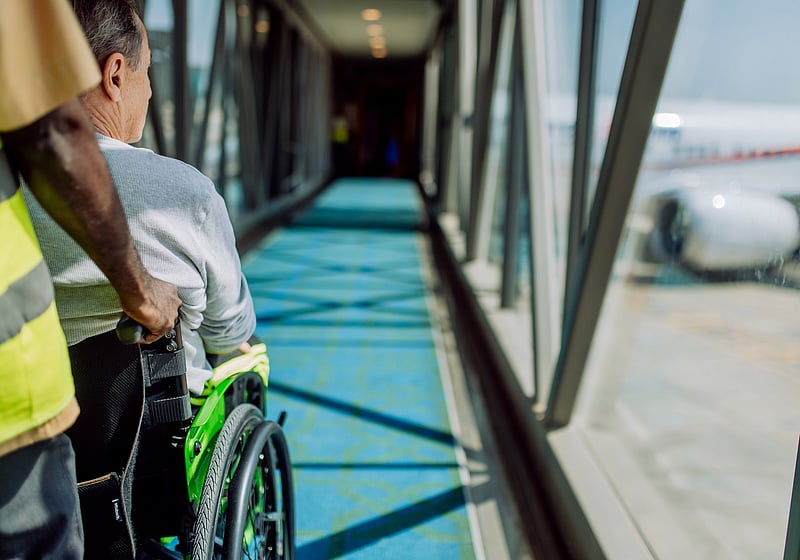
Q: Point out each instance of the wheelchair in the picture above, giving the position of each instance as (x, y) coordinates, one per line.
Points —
(163, 475)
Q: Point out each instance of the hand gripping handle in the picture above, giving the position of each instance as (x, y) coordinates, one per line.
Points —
(129, 331)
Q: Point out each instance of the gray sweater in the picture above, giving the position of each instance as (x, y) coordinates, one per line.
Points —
(184, 235)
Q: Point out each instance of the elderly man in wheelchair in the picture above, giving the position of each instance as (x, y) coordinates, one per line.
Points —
(173, 451)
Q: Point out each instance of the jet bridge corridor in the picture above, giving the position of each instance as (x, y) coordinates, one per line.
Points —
(527, 269)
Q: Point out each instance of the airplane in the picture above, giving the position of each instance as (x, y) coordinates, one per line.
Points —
(718, 194)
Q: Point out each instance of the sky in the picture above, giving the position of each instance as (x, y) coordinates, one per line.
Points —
(734, 50)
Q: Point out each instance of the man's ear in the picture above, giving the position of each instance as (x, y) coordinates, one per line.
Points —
(113, 76)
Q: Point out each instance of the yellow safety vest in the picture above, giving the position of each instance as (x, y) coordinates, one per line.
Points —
(35, 377)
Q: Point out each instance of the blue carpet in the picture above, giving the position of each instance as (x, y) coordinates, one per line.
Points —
(341, 303)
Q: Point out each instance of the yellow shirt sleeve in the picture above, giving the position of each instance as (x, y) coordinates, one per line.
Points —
(44, 60)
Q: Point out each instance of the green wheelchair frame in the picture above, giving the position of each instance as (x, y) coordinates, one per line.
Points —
(248, 451)
(162, 478)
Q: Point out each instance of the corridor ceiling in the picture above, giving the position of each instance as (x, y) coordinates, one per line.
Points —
(407, 26)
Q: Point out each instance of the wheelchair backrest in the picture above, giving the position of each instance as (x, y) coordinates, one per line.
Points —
(135, 411)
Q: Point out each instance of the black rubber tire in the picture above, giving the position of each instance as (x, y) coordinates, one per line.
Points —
(260, 520)
(209, 526)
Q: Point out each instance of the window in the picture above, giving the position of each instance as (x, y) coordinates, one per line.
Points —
(689, 398)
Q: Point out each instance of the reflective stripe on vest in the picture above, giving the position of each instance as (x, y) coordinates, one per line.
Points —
(35, 378)
(24, 300)
(20, 250)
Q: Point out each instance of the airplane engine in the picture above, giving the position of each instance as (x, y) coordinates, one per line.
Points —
(723, 230)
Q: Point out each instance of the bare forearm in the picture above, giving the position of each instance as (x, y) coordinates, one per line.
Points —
(60, 161)
(59, 158)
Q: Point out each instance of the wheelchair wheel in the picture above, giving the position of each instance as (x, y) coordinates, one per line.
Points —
(209, 528)
(260, 521)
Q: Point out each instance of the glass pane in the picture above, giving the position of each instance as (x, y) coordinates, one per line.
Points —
(562, 23)
(232, 186)
(159, 21)
(616, 23)
(232, 168)
(301, 142)
(212, 153)
(203, 18)
(496, 173)
(261, 27)
(691, 389)
(562, 44)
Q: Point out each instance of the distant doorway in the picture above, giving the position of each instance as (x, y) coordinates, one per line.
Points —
(375, 128)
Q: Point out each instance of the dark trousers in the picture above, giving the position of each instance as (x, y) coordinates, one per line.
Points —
(40, 515)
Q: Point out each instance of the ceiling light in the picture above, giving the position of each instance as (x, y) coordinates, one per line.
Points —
(374, 29)
(243, 10)
(377, 42)
(379, 52)
(371, 14)
(262, 26)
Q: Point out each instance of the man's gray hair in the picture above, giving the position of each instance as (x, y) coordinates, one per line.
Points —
(111, 27)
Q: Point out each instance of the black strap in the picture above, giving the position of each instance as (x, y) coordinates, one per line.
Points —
(174, 409)
(163, 365)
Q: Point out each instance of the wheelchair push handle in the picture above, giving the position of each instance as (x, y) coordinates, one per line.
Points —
(129, 331)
